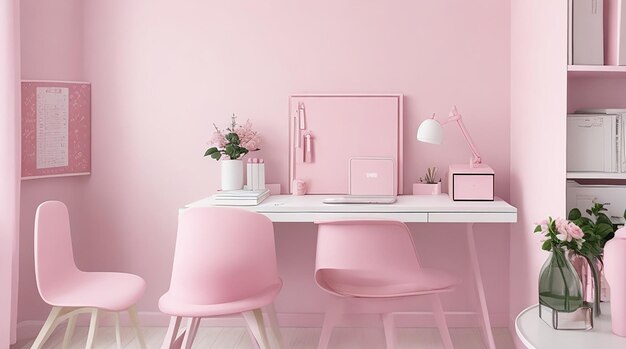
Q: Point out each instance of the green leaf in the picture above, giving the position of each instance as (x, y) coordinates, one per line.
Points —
(574, 214)
(210, 151)
(603, 229)
(216, 156)
(547, 245)
(232, 138)
(537, 229)
(602, 218)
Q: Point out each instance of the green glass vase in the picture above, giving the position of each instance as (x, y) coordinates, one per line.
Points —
(559, 284)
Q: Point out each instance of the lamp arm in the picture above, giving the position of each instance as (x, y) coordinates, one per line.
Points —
(476, 160)
(456, 116)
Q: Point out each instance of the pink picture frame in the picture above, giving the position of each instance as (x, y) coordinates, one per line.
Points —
(56, 128)
(341, 127)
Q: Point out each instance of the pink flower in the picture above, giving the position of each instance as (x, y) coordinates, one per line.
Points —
(248, 138)
(567, 230)
(575, 231)
(217, 140)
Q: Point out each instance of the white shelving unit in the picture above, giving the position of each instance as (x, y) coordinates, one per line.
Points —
(595, 175)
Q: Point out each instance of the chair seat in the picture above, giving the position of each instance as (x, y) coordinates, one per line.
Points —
(171, 304)
(377, 284)
(103, 290)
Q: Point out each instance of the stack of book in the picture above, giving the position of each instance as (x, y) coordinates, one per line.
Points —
(241, 197)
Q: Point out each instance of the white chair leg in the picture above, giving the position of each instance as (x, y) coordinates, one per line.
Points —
(273, 322)
(132, 313)
(255, 321)
(330, 318)
(93, 327)
(48, 327)
(172, 332)
(190, 334)
(253, 341)
(118, 333)
(440, 318)
(69, 332)
(388, 325)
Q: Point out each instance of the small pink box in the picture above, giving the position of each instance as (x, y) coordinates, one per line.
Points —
(426, 188)
(471, 183)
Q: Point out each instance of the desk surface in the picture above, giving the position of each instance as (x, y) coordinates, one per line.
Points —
(408, 208)
(536, 334)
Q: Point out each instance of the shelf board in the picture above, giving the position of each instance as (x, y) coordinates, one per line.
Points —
(596, 71)
(595, 175)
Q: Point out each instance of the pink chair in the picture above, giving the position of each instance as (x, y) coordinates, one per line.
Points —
(224, 263)
(71, 291)
(372, 265)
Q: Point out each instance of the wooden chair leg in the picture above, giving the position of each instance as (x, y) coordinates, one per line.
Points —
(93, 327)
(440, 318)
(388, 325)
(69, 331)
(48, 327)
(273, 322)
(253, 341)
(254, 318)
(172, 332)
(190, 333)
(132, 313)
(118, 333)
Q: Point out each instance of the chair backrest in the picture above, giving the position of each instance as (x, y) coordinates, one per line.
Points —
(54, 257)
(222, 254)
(368, 246)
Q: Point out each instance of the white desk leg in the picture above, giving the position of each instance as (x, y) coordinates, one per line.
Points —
(480, 290)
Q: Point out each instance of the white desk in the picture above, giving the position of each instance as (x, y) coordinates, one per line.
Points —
(536, 334)
(408, 208)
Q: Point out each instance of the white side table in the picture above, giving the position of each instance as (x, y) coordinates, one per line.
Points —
(536, 334)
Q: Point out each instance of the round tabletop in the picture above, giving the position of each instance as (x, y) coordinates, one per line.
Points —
(536, 334)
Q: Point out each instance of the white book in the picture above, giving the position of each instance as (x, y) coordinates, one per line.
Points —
(591, 143)
(587, 32)
(240, 194)
(241, 201)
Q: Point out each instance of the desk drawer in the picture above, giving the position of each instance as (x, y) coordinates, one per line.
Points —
(414, 217)
(472, 217)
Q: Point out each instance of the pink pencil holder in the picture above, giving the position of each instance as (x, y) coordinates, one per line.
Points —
(299, 187)
(614, 261)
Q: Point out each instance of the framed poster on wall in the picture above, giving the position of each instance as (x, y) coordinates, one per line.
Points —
(56, 128)
(327, 131)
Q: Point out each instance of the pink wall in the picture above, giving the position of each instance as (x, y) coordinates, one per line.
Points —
(9, 168)
(162, 74)
(51, 37)
(538, 107)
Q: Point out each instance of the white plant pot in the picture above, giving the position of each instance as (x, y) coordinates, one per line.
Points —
(232, 174)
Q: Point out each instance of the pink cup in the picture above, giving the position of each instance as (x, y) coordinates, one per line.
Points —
(615, 273)
(299, 187)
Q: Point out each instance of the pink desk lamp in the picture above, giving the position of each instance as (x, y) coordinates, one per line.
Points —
(466, 182)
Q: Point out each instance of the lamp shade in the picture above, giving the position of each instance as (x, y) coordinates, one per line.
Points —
(430, 131)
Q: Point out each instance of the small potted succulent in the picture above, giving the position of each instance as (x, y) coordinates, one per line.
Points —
(428, 185)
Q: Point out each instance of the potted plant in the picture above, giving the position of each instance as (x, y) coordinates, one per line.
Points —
(428, 185)
(561, 302)
(228, 146)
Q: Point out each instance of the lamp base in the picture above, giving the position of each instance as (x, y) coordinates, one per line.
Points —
(467, 183)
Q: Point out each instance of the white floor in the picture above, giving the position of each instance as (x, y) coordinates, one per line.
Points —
(296, 338)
